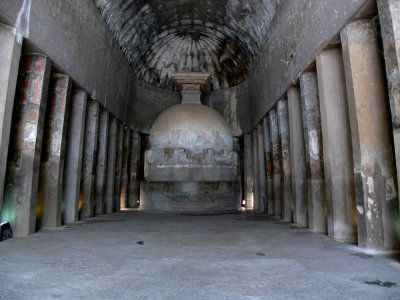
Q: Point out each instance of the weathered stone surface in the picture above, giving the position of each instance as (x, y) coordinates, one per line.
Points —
(118, 167)
(53, 152)
(268, 166)
(75, 37)
(338, 158)
(134, 170)
(372, 151)
(237, 148)
(298, 157)
(125, 168)
(190, 197)
(73, 156)
(191, 126)
(111, 164)
(189, 31)
(307, 152)
(256, 169)
(10, 53)
(179, 164)
(22, 179)
(284, 136)
(312, 121)
(101, 164)
(231, 102)
(248, 171)
(276, 155)
(190, 142)
(300, 30)
(389, 18)
(89, 160)
(261, 205)
(108, 78)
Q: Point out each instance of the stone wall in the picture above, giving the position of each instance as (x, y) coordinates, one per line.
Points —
(301, 29)
(77, 40)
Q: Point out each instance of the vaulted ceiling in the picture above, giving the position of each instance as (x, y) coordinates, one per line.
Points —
(161, 37)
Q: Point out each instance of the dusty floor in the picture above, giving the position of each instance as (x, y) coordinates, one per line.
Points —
(190, 257)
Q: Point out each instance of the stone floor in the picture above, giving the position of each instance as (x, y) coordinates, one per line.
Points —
(190, 257)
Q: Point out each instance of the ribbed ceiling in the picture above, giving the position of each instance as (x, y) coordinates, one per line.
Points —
(161, 37)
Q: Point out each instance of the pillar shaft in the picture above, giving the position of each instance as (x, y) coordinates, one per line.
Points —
(111, 160)
(248, 171)
(125, 168)
(372, 151)
(276, 154)
(118, 167)
(283, 118)
(298, 157)
(101, 167)
(256, 185)
(262, 203)
(89, 159)
(338, 157)
(389, 17)
(134, 165)
(312, 119)
(10, 53)
(20, 196)
(53, 152)
(268, 166)
(307, 159)
(73, 156)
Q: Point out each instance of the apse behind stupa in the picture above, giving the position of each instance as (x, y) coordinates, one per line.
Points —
(190, 166)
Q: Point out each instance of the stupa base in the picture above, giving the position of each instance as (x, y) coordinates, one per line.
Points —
(190, 197)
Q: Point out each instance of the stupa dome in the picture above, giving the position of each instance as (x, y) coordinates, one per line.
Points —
(191, 126)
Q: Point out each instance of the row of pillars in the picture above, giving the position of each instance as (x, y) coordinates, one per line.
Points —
(323, 157)
(63, 157)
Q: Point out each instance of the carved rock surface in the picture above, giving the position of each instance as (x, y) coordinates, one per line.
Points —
(160, 37)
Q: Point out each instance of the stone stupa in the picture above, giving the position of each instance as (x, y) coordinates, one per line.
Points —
(190, 166)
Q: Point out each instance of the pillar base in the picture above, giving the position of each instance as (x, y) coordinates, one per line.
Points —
(316, 209)
(277, 194)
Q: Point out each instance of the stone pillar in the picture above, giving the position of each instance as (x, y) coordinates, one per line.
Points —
(283, 118)
(248, 171)
(111, 160)
(239, 161)
(372, 149)
(312, 121)
(53, 152)
(298, 157)
(10, 53)
(262, 204)
(268, 166)
(307, 159)
(20, 195)
(118, 167)
(89, 159)
(73, 156)
(134, 166)
(256, 186)
(101, 167)
(125, 167)
(389, 18)
(338, 156)
(276, 154)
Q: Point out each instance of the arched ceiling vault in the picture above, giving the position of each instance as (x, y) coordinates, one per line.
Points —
(161, 37)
